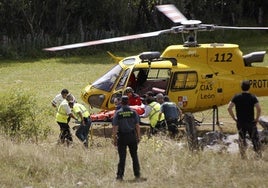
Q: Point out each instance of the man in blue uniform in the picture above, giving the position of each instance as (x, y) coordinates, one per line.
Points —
(126, 133)
(171, 111)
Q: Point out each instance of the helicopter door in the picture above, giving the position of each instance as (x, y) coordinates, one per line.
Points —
(117, 92)
(153, 79)
(183, 89)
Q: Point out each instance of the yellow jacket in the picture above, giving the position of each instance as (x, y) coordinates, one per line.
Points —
(63, 112)
(80, 108)
(153, 116)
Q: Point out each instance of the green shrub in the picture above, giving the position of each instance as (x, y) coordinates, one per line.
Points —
(20, 117)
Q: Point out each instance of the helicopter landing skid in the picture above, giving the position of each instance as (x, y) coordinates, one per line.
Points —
(263, 121)
(215, 118)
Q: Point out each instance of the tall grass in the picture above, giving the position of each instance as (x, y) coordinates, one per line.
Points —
(165, 162)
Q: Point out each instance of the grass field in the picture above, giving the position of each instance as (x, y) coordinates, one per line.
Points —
(165, 162)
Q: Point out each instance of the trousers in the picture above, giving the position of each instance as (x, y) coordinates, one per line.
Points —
(250, 128)
(83, 130)
(127, 140)
(65, 132)
(172, 125)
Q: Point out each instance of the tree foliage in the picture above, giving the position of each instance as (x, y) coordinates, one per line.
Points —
(34, 24)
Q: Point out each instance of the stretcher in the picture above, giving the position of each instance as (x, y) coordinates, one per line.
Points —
(107, 116)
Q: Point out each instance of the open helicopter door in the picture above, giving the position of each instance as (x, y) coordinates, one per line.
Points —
(118, 90)
(153, 79)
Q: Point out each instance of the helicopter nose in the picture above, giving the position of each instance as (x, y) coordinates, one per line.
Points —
(94, 97)
(96, 100)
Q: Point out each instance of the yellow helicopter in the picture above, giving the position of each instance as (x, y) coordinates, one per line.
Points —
(195, 76)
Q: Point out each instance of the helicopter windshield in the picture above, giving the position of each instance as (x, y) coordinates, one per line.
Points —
(107, 81)
(123, 79)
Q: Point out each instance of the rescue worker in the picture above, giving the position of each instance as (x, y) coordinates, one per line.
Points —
(126, 133)
(59, 97)
(152, 109)
(171, 111)
(133, 98)
(83, 117)
(150, 95)
(63, 113)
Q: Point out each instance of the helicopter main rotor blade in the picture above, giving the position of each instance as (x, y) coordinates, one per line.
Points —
(109, 40)
(241, 28)
(172, 13)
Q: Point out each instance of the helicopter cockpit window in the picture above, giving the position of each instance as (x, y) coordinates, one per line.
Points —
(107, 81)
(184, 80)
(123, 79)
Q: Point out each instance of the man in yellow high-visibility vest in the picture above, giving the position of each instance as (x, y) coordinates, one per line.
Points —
(152, 109)
(83, 116)
(63, 113)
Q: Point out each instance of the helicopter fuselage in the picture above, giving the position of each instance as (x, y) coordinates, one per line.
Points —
(196, 78)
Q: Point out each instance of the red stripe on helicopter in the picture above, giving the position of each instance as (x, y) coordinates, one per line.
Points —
(110, 40)
(172, 13)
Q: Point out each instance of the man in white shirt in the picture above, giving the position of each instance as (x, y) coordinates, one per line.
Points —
(59, 98)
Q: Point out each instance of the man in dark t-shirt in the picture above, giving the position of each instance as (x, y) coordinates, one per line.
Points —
(246, 121)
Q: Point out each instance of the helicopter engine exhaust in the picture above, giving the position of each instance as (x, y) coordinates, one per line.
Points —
(254, 57)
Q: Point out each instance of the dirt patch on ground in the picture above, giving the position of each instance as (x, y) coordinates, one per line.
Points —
(208, 139)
